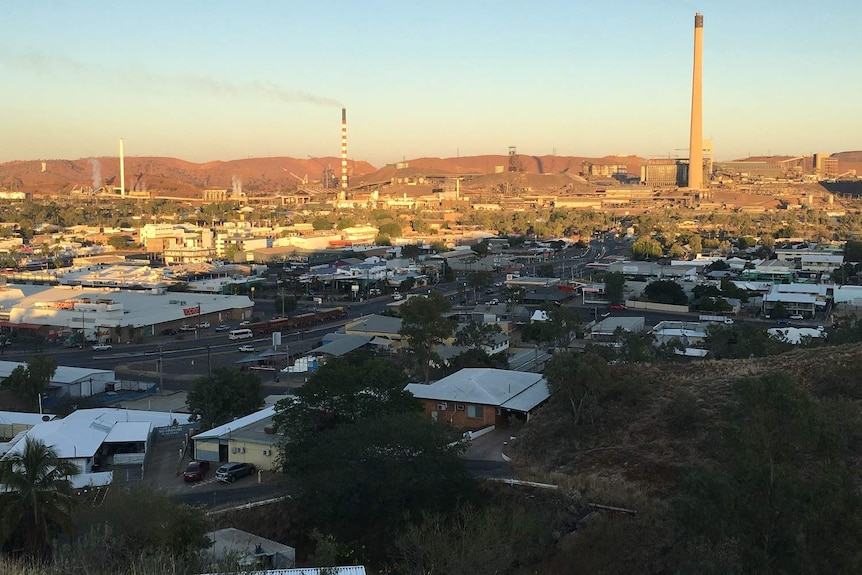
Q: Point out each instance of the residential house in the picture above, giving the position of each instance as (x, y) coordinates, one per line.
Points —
(474, 398)
(250, 551)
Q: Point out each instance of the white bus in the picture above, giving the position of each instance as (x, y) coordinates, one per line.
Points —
(240, 334)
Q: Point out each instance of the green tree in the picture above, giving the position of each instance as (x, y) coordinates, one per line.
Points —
(578, 378)
(38, 498)
(362, 454)
(546, 271)
(476, 335)
(119, 242)
(391, 229)
(226, 394)
(481, 248)
(783, 486)
(646, 248)
(695, 244)
(614, 283)
(438, 247)
(425, 328)
(321, 223)
(285, 304)
(779, 311)
(853, 251)
(382, 240)
(29, 382)
(665, 291)
(480, 279)
(410, 251)
(157, 525)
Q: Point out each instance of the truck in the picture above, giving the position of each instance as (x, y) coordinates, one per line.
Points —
(716, 318)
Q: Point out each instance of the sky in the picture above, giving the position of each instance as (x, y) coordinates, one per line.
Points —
(209, 80)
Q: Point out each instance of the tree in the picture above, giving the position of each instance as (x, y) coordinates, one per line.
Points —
(38, 500)
(226, 394)
(665, 291)
(784, 483)
(614, 283)
(546, 271)
(382, 240)
(157, 524)
(645, 248)
(438, 247)
(119, 242)
(779, 311)
(481, 248)
(361, 452)
(695, 244)
(410, 251)
(390, 229)
(476, 335)
(480, 279)
(30, 382)
(284, 304)
(578, 378)
(425, 328)
(853, 251)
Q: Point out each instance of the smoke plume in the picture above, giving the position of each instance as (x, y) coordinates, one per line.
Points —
(237, 185)
(97, 173)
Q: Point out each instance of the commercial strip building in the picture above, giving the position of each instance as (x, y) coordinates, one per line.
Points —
(111, 313)
(70, 381)
(249, 439)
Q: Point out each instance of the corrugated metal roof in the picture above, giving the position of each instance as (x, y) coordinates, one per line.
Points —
(343, 345)
(486, 386)
(129, 432)
(236, 424)
(350, 570)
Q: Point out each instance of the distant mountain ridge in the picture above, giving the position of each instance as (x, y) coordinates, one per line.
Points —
(175, 176)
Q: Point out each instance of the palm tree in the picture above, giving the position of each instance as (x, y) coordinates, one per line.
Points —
(36, 498)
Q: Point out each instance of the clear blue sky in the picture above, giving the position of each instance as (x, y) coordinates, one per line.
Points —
(217, 80)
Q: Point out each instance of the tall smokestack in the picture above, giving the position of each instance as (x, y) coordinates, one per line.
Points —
(122, 170)
(695, 144)
(344, 149)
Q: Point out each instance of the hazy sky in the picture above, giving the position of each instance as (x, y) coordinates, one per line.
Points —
(216, 80)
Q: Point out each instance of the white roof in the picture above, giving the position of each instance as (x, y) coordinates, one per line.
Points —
(515, 390)
(129, 432)
(675, 332)
(794, 335)
(816, 289)
(82, 432)
(790, 297)
(237, 424)
(21, 418)
(64, 374)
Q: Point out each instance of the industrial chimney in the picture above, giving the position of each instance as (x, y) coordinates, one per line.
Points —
(695, 145)
(122, 170)
(344, 149)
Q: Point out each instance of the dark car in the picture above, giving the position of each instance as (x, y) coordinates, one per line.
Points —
(196, 470)
(169, 331)
(230, 472)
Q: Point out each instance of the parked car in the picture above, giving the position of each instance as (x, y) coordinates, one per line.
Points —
(619, 307)
(244, 322)
(196, 470)
(188, 328)
(783, 322)
(230, 472)
(222, 327)
(101, 346)
(204, 325)
(797, 316)
(397, 296)
(169, 331)
(493, 301)
(246, 348)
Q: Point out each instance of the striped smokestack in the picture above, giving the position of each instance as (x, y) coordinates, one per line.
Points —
(344, 149)
(695, 144)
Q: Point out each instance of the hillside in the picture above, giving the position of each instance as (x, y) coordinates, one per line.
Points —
(178, 177)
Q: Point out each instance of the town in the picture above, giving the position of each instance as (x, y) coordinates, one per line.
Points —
(507, 363)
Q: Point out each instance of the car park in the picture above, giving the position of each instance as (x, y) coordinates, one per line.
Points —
(101, 347)
(230, 472)
(246, 348)
(196, 470)
(222, 327)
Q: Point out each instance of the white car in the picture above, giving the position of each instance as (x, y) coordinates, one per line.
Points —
(397, 296)
(797, 316)
(246, 348)
(101, 347)
(244, 322)
(204, 325)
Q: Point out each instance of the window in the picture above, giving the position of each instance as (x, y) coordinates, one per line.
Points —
(460, 407)
(442, 407)
(475, 411)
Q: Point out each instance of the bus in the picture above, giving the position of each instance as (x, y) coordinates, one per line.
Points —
(240, 334)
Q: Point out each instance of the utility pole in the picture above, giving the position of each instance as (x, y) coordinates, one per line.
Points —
(161, 369)
(209, 362)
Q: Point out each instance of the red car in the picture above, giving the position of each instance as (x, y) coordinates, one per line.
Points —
(196, 470)
(619, 307)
